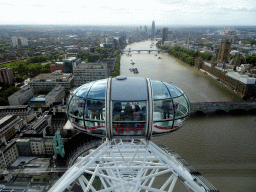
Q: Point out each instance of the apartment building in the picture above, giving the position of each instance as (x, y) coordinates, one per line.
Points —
(87, 72)
(42, 81)
(6, 76)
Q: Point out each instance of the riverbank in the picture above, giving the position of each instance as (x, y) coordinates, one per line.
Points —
(223, 88)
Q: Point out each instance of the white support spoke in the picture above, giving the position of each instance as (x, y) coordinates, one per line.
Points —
(167, 182)
(124, 166)
(140, 173)
(152, 180)
(173, 184)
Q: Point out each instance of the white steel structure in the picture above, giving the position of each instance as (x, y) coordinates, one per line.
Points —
(128, 161)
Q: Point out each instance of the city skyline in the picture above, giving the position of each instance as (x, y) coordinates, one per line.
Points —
(164, 12)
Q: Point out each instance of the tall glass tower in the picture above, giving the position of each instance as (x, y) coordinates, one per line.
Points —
(153, 30)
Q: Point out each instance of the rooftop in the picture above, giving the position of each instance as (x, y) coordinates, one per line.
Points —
(52, 76)
(55, 90)
(242, 78)
(90, 66)
(38, 98)
(22, 90)
(14, 107)
(7, 117)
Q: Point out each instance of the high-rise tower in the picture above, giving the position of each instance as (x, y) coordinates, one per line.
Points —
(165, 35)
(153, 30)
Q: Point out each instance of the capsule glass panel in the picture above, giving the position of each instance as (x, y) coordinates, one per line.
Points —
(83, 90)
(98, 90)
(171, 108)
(163, 109)
(129, 118)
(181, 107)
(79, 123)
(95, 127)
(162, 127)
(94, 110)
(76, 107)
(159, 90)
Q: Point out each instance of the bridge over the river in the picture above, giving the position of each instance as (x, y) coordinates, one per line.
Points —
(208, 107)
(140, 50)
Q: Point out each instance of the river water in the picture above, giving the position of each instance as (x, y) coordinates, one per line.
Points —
(221, 147)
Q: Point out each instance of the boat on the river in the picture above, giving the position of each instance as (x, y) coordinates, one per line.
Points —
(135, 70)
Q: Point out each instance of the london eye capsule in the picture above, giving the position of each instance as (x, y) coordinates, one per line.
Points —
(128, 108)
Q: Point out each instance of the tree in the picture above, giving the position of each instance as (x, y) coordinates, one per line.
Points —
(3, 101)
(19, 79)
(43, 91)
(67, 92)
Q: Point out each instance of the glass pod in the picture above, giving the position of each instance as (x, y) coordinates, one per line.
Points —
(127, 107)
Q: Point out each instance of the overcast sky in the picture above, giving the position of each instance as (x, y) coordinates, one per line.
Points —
(130, 12)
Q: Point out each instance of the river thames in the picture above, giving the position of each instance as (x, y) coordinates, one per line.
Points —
(221, 147)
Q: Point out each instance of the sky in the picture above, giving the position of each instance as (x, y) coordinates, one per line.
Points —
(131, 12)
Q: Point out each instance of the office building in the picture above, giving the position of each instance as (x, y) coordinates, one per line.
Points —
(57, 66)
(8, 154)
(55, 95)
(6, 76)
(165, 35)
(34, 171)
(86, 72)
(110, 64)
(70, 63)
(224, 50)
(43, 101)
(42, 81)
(23, 111)
(153, 30)
(59, 118)
(23, 147)
(9, 125)
(36, 145)
(41, 124)
(22, 96)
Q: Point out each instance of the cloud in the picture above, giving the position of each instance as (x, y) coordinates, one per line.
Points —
(37, 5)
(171, 2)
(241, 9)
(8, 4)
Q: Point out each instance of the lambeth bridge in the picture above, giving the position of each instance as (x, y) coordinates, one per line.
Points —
(139, 50)
(209, 107)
